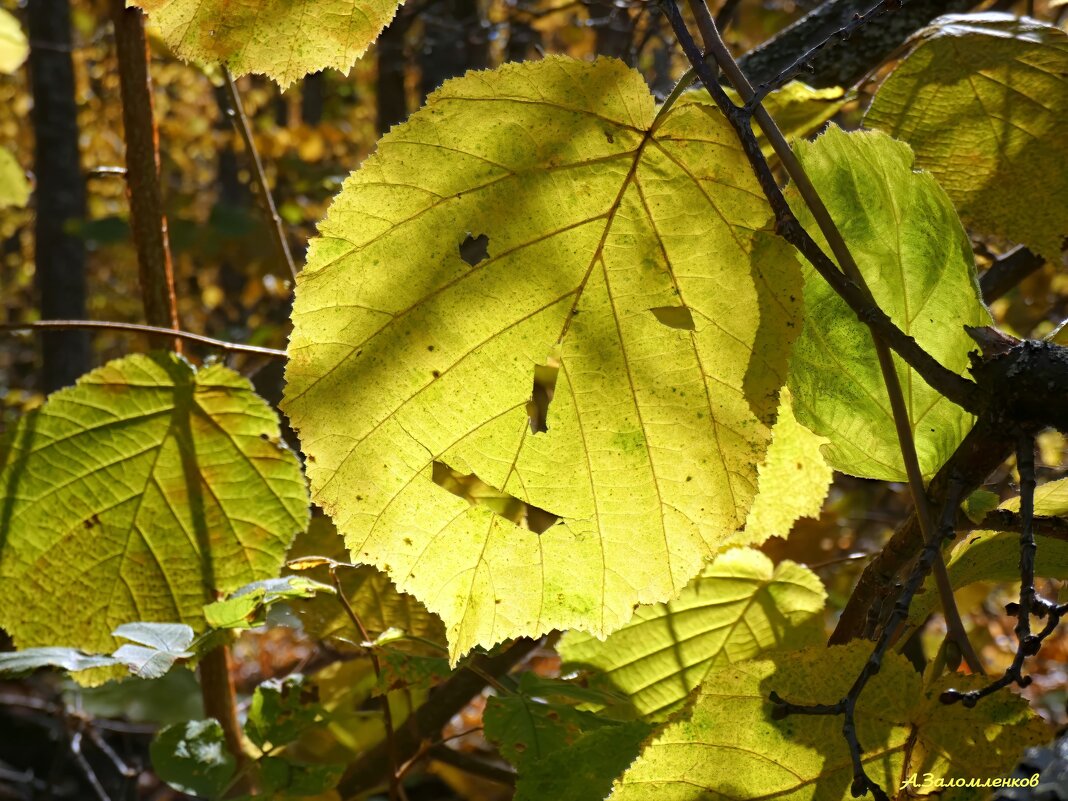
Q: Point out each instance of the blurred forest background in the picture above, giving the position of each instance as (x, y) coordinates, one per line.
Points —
(68, 254)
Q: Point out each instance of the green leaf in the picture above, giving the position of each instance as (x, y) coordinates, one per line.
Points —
(14, 188)
(561, 752)
(369, 591)
(18, 663)
(279, 38)
(793, 479)
(280, 712)
(797, 109)
(727, 745)
(137, 495)
(160, 646)
(400, 670)
(527, 730)
(740, 607)
(293, 779)
(407, 351)
(13, 45)
(192, 758)
(917, 260)
(247, 606)
(585, 770)
(983, 100)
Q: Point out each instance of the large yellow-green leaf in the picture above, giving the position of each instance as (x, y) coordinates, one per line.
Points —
(531, 215)
(14, 188)
(135, 496)
(916, 258)
(13, 45)
(995, 555)
(285, 39)
(727, 745)
(793, 481)
(740, 607)
(983, 100)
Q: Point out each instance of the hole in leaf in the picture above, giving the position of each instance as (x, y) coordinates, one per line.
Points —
(674, 317)
(475, 249)
(478, 493)
(541, 394)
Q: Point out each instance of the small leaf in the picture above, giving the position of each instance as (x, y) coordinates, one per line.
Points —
(403, 354)
(729, 744)
(17, 663)
(527, 730)
(979, 504)
(400, 670)
(247, 606)
(161, 645)
(917, 260)
(14, 188)
(740, 607)
(585, 770)
(561, 752)
(291, 779)
(279, 38)
(192, 758)
(280, 711)
(983, 100)
(13, 45)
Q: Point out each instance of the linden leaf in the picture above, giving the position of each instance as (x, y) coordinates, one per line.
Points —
(14, 188)
(137, 495)
(917, 260)
(280, 38)
(739, 608)
(983, 100)
(13, 45)
(728, 745)
(405, 355)
(793, 479)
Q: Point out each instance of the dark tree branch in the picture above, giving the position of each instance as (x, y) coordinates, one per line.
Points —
(59, 198)
(1054, 528)
(1030, 603)
(843, 66)
(447, 700)
(1008, 271)
(147, 217)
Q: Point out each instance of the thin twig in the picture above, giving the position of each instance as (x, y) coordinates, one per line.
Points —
(1030, 603)
(788, 226)
(396, 790)
(240, 121)
(151, 330)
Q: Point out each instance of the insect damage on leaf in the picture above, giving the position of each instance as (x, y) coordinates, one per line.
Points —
(647, 454)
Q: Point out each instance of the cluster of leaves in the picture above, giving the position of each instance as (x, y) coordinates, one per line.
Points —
(550, 225)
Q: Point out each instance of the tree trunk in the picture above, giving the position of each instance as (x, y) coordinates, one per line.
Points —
(60, 196)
